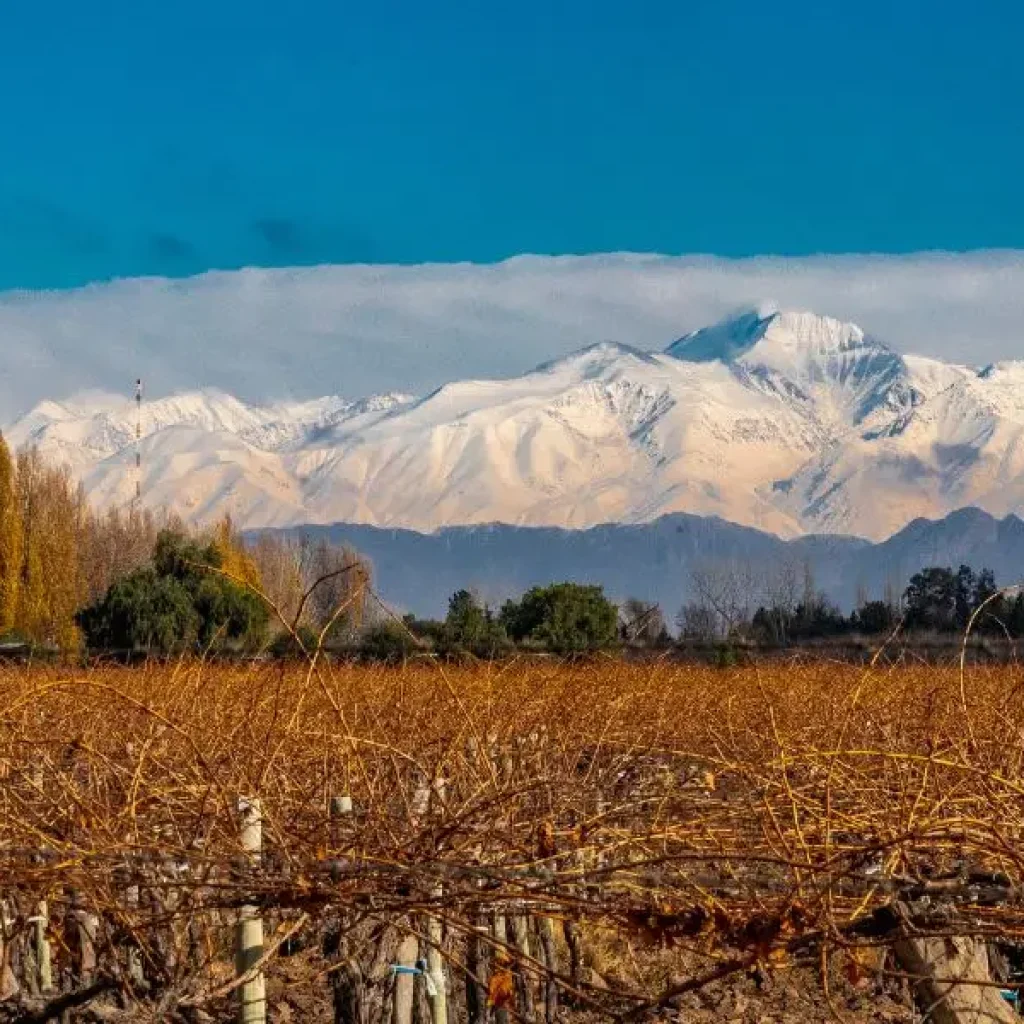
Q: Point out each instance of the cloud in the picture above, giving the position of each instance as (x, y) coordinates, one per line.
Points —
(352, 330)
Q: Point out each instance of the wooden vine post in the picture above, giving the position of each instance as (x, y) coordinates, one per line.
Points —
(41, 947)
(405, 980)
(956, 986)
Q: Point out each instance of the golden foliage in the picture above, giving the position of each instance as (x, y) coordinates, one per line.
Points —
(55, 554)
(10, 541)
(235, 558)
(501, 990)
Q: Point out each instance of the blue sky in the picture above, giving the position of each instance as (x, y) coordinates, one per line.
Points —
(144, 139)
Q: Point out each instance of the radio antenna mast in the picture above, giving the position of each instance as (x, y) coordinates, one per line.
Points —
(137, 500)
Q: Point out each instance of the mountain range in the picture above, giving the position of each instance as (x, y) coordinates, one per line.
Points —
(661, 561)
(788, 422)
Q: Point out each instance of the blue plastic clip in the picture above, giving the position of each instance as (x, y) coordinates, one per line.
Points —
(419, 970)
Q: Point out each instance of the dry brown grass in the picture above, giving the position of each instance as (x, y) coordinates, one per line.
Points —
(748, 817)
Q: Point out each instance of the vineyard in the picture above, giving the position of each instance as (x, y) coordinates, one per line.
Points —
(517, 841)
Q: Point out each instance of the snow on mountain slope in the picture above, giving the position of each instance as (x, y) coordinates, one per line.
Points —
(88, 428)
(201, 474)
(606, 434)
(963, 445)
(843, 377)
(786, 421)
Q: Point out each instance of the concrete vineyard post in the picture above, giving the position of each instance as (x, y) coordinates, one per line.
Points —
(252, 997)
(435, 965)
(341, 809)
(44, 961)
(135, 971)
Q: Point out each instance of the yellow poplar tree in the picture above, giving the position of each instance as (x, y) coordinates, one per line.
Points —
(30, 617)
(234, 557)
(51, 587)
(10, 541)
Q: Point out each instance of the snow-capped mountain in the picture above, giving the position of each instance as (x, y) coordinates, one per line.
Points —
(786, 421)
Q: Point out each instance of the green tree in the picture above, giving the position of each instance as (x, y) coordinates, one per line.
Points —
(429, 631)
(177, 554)
(143, 611)
(470, 626)
(228, 612)
(874, 617)
(388, 642)
(964, 591)
(984, 587)
(931, 599)
(1015, 615)
(179, 602)
(567, 618)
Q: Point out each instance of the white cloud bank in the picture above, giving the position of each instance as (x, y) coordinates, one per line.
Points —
(353, 330)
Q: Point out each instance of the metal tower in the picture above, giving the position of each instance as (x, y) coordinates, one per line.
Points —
(137, 501)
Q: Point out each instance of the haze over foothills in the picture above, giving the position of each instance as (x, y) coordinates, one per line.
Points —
(322, 221)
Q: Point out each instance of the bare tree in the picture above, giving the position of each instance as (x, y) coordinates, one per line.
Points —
(698, 622)
(344, 576)
(334, 576)
(730, 589)
(642, 622)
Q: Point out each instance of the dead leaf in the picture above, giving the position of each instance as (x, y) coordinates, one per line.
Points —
(546, 840)
(501, 991)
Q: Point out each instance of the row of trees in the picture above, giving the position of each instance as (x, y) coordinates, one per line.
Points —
(121, 579)
(214, 592)
(937, 599)
(564, 618)
(203, 593)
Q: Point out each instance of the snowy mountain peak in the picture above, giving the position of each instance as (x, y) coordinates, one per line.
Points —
(783, 340)
(723, 342)
(596, 359)
(850, 378)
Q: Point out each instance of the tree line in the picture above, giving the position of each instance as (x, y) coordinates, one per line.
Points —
(123, 580)
(72, 578)
(561, 618)
(937, 600)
